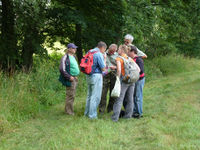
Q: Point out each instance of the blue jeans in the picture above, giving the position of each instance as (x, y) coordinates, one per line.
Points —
(95, 84)
(138, 97)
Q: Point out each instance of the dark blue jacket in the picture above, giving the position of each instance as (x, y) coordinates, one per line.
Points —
(139, 61)
(65, 70)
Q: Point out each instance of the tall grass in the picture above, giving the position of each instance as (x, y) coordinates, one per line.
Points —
(169, 65)
(23, 95)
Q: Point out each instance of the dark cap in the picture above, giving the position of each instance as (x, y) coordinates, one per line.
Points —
(72, 45)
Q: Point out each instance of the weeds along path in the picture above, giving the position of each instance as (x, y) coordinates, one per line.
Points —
(171, 121)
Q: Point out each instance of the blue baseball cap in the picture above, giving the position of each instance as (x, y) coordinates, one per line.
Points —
(72, 45)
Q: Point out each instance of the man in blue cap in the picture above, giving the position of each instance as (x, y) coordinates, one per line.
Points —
(69, 71)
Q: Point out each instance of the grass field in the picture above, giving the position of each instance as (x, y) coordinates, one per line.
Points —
(171, 122)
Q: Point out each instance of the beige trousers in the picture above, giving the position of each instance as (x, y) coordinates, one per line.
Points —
(70, 95)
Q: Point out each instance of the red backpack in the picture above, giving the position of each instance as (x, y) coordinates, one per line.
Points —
(87, 63)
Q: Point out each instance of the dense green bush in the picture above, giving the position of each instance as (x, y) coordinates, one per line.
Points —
(168, 65)
(171, 64)
(151, 70)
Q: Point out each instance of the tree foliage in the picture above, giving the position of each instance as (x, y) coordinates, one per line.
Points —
(86, 23)
(158, 26)
(22, 32)
(161, 27)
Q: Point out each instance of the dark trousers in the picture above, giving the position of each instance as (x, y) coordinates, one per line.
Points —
(108, 84)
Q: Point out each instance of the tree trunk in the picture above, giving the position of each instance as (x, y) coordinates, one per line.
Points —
(8, 47)
(27, 52)
(78, 42)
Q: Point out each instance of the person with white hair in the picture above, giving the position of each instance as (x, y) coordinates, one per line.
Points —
(128, 39)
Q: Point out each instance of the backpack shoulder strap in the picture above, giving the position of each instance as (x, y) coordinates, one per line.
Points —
(89, 52)
(121, 57)
(92, 52)
(129, 58)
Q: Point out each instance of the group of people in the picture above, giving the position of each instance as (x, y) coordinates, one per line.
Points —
(107, 65)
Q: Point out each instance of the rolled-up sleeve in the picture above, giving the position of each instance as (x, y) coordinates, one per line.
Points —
(140, 53)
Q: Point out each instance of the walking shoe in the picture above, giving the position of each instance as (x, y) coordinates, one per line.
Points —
(122, 114)
(70, 114)
(136, 116)
(101, 111)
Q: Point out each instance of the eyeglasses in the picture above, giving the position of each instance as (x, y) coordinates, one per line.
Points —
(126, 42)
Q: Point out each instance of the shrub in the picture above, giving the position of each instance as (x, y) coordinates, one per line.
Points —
(151, 70)
(171, 64)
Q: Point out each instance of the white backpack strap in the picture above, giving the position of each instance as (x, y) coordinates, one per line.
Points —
(129, 58)
(122, 58)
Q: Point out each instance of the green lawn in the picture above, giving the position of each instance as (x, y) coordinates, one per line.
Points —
(171, 122)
